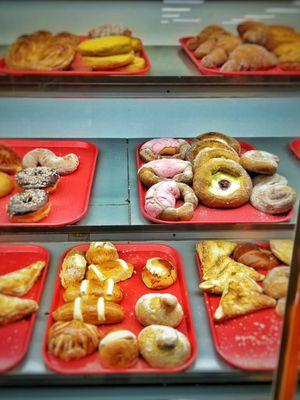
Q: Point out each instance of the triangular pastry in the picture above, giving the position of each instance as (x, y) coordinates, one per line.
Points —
(239, 300)
(19, 282)
(209, 252)
(13, 309)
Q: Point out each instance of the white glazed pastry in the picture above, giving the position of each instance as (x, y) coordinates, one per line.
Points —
(99, 252)
(159, 273)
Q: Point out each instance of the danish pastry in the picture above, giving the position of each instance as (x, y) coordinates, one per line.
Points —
(222, 183)
(255, 256)
(73, 268)
(13, 309)
(205, 145)
(163, 346)
(207, 154)
(276, 282)
(99, 252)
(159, 273)
(6, 184)
(273, 199)
(117, 270)
(105, 46)
(10, 162)
(72, 340)
(160, 201)
(283, 249)
(92, 310)
(119, 349)
(166, 168)
(159, 309)
(260, 162)
(162, 148)
(221, 137)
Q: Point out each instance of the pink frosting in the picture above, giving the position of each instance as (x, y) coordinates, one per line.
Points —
(160, 196)
(157, 145)
(167, 167)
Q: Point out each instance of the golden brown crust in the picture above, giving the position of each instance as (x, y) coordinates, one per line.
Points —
(199, 145)
(260, 162)
(221, 137)
(282, 249)
(10, 162)
(99, 252)
(117, 270)
(73, 268)
(14, 309)
(203, 156)
(94, 288)
(209, 251)
(159, 273)
(36, 216)
(276, 282)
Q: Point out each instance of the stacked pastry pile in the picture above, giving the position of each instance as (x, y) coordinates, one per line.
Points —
(211, 169)
(247, 276)
(14, 285)
(92, 298)
(36, 175)
(257, 47)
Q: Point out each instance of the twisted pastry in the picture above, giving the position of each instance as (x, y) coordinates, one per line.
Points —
(273, 199)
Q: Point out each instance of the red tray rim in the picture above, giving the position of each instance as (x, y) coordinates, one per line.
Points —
(293, 147)
(216, 71)
(33, 317)
(41, 142)
(130, 371)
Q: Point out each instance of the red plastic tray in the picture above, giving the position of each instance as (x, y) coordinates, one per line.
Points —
(207, 215)
(295, 147)
(217, 71)
(133, 288)
(69, 202)
(250, 342)
(15, 337)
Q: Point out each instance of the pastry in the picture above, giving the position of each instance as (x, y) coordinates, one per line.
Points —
(137, 64)
(105, 46)
(280, 306)
(281, 34)
(166, 168)
(249, 57)
(109, 30)
(160, 201)
(222, 183)
(273, 199)
(159, 309)
(20, 281)
(260, 162)
(46, 158)
(117, 270)
(107, 289)
(6, 184)
(221, 137)
(163, 346)
(29, 206)
(262, 180)
(239, 300)
(42, 51)
(202, 36)
(38, 178)
(216, 58)
(107, 63)
(289, 55)
(283, 249)
(254, 32)
(10, 162)
(72, 340)
(164, 147)
(209, 251)
(208, 153)
(73, 268)
(99, 252)
(92, 310)
(119, 349)
(136, 44)
(225, 42)
(276, 282)
(205, 145)
(255, 256)
(13, 309)
(159, 273)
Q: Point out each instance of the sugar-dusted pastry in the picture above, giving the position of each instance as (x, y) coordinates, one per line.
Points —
(209, 251)
(109, 30)
(6, 184)
(260, 162)
(119, 349)
(20, 281)
(73, 268)
(276, 282)
(198, 146)
(73, 340)
(107, 289)
(273, 199)
(159, 309)
(239, 300)
(166, 168)
(92, 310)
(280, 306)
(160, 201)
(13, 309)
(282, 249)
(163, 346)
(10, 162)
(99, 252)
(255, 256)
(268, 180)
(221, 137)
(159, 273)
(207, 154)
(117, 270)
(163, 147)
(222, 183)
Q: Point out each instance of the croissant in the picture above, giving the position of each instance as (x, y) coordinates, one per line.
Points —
(208, 31)
(224, 41)
(73, 268)
(92, 310)
(254, 32)
(107, 289)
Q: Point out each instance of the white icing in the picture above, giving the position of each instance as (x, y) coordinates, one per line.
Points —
(117, 335)
(77, 314)
(78, 259)
(110, 287)
(84, 287)
(155, 269)
(106, 245)
(123, 263)
(101, 309)
(216, 190)
(99, 274)
(219, 313)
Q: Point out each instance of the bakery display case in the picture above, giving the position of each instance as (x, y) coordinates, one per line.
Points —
(113, 124)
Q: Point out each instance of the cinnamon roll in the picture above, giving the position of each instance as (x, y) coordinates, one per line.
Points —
(273, 199)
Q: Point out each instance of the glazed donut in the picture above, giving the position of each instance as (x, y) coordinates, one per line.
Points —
(161, 200)
(273, 199)
(222, 183)
(260, 162)
(207, 154)
(29, 206)
(166, 168)
(206, 145)
(221, 137)
(163, 148)
(46, 158)
(38, 178)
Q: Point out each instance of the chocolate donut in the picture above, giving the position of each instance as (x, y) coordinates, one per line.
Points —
(27, 202)
(37, 178)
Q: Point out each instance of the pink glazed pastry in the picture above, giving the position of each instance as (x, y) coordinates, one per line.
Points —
(162, 148)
